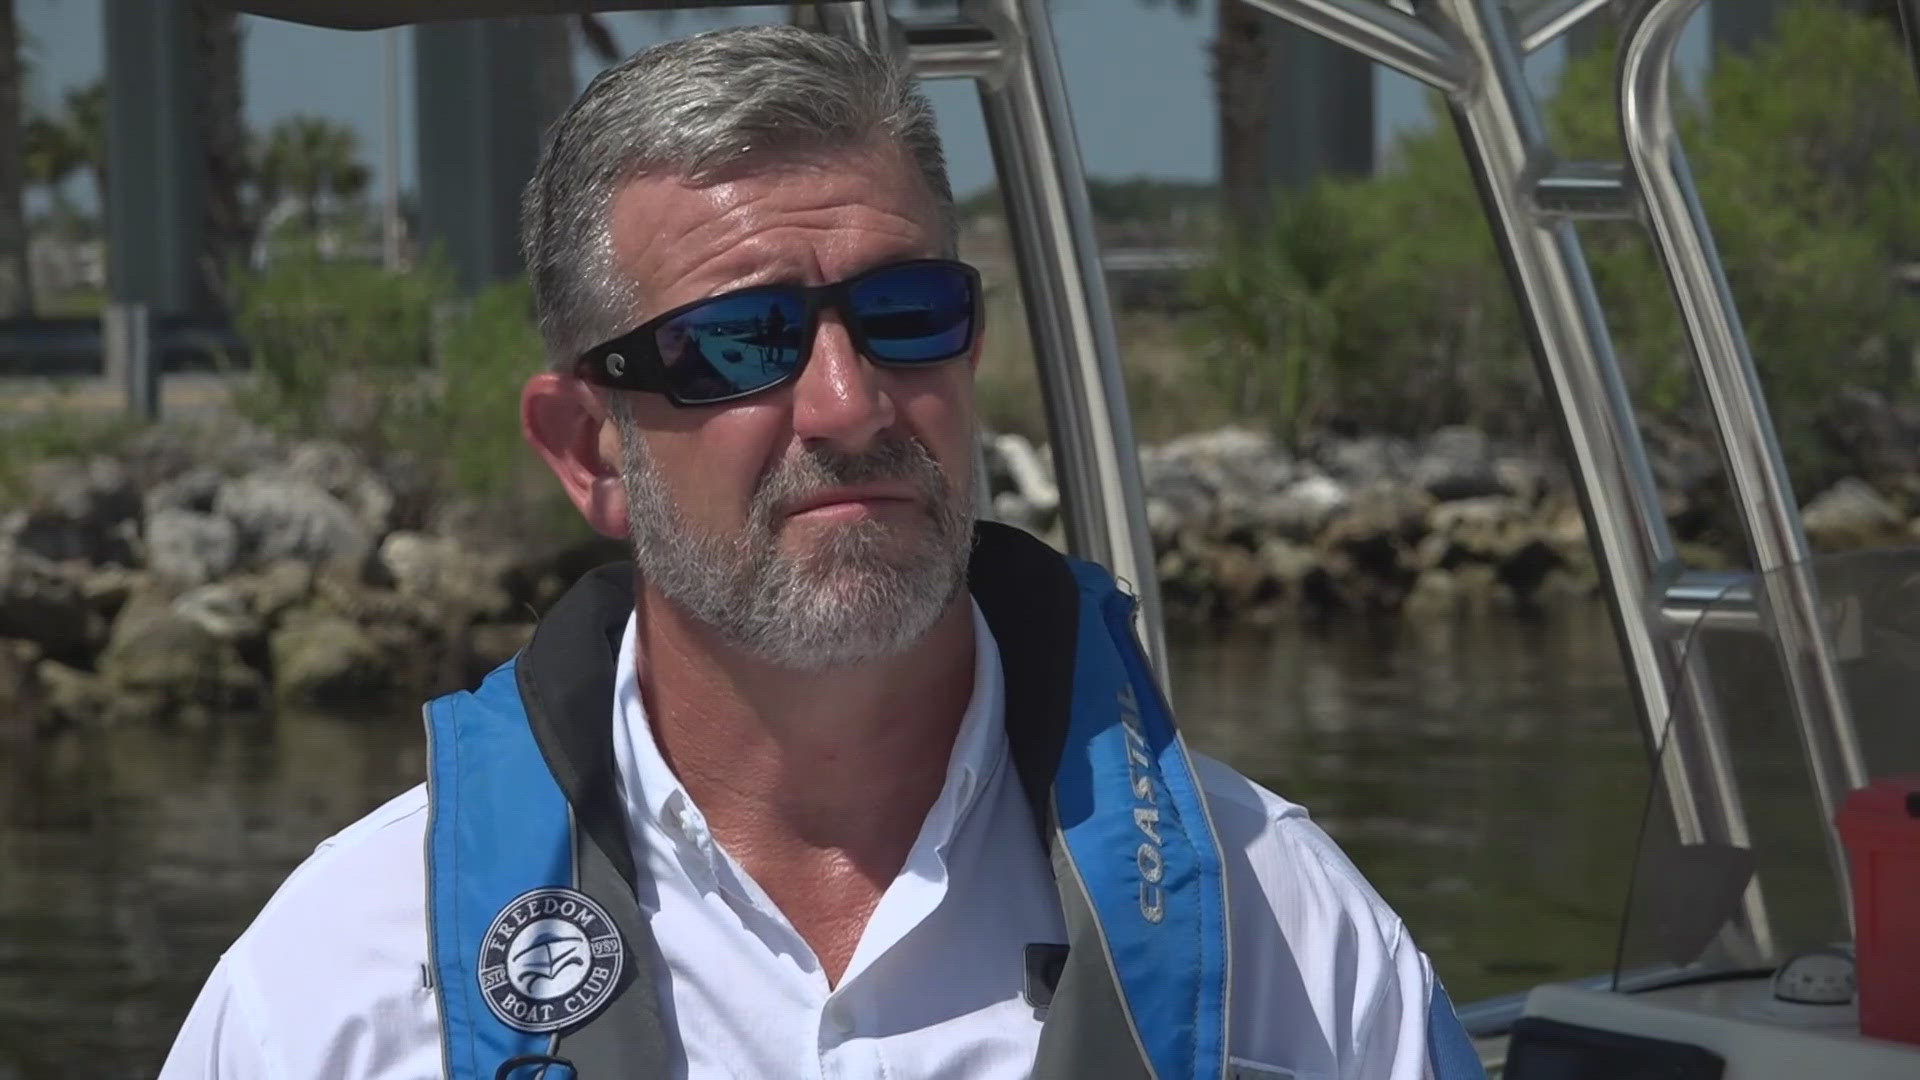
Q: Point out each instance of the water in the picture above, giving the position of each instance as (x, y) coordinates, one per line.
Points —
(1485, 775)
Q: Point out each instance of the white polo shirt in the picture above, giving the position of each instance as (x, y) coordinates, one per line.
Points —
(330, 980)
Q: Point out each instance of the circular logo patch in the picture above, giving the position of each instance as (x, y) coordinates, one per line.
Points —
(551, 959)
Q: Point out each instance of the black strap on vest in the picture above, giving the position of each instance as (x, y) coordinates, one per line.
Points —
(1031, 603)
(625, 1039)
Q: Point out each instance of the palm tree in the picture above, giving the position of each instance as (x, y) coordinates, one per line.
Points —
(1240, 49)
(50, 153)
(223, 143)
(74, 140)
(310, 158)
(16, 294)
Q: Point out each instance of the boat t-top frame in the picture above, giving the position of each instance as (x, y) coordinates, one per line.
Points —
(1472, 51)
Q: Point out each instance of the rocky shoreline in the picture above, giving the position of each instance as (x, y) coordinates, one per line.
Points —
(207, 571)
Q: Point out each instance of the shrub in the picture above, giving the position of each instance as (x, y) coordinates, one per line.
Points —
(1382, 302)
(336, 348)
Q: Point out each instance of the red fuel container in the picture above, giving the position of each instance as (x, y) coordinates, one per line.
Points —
(1880, 826)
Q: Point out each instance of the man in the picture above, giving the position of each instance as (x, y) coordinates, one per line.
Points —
(831, 782)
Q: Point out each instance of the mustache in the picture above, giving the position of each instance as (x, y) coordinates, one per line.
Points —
(895, 457)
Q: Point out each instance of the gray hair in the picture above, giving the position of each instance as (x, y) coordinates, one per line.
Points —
(699, 108)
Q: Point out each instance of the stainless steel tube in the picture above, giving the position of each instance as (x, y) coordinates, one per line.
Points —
(1584, 190)
(1699, 600)
(955, 50)
(1548, 21)
(1380, 33)
(1759, 475)
(1502, 134)
(1038, 159)
(864, 21)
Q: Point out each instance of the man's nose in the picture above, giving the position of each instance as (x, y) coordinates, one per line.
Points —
(840, 398)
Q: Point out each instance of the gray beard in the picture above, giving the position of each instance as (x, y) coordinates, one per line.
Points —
(857, 595)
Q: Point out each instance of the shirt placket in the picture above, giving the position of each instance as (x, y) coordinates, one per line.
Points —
(844, 1053)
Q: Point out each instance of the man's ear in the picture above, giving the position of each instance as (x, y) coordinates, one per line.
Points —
(566, 423)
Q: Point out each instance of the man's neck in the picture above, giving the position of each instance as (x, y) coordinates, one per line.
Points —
(789, 766)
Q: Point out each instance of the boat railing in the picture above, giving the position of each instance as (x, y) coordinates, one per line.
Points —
(1474, 52)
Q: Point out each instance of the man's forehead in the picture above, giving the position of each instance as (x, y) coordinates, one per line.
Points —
(665, 226)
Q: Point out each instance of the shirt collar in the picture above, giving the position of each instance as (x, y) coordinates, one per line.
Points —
(654, 797)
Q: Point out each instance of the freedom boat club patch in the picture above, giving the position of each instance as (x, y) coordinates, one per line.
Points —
(551, 959)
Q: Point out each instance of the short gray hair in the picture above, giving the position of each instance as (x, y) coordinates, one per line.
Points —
(698, 108)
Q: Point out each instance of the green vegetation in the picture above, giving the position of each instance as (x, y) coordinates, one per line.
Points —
(310, 159)
(1381, 302)
(57, 428)
(336, 347)
(393, 365)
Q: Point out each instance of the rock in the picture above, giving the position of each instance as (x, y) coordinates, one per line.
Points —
(1457, 463)
(1851, 514)
(228, 445)
(1524, 568)
(1366, 460)
(1184, 500)
(87, 511)
(1436, 591)
(1480, 513)
(339, 471)
(440, 568)
(1240, 458)
(1485, 529)
(191, 548)
(74, 697)
(1384, 510)
(193, 490)
(1562, 584)
(326, 661)
(1287, 563)
(1031, 480)
(1686, 469)
(1162, 521)
(107, 588)
(1368, 546)
(1477, 586)
(278, 589)
(46, 603)
(280, 518)
(1223, 474)
(224, 610)
(23, 710)
(1524, 478)
(1302, 511)
(1875, 437)
(1566, 530)
(1240, 578)
(169, 663)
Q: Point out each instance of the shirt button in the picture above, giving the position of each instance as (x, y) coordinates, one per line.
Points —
(837, 1020)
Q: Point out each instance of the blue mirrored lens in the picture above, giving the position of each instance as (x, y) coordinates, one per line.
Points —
(733, 344)
(915, 314)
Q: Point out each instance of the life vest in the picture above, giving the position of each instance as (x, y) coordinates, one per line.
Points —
(540, 950)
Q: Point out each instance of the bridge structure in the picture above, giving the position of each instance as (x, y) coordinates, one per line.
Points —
(481, 107)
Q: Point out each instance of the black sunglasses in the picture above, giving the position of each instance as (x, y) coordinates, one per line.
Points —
(902, 315)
